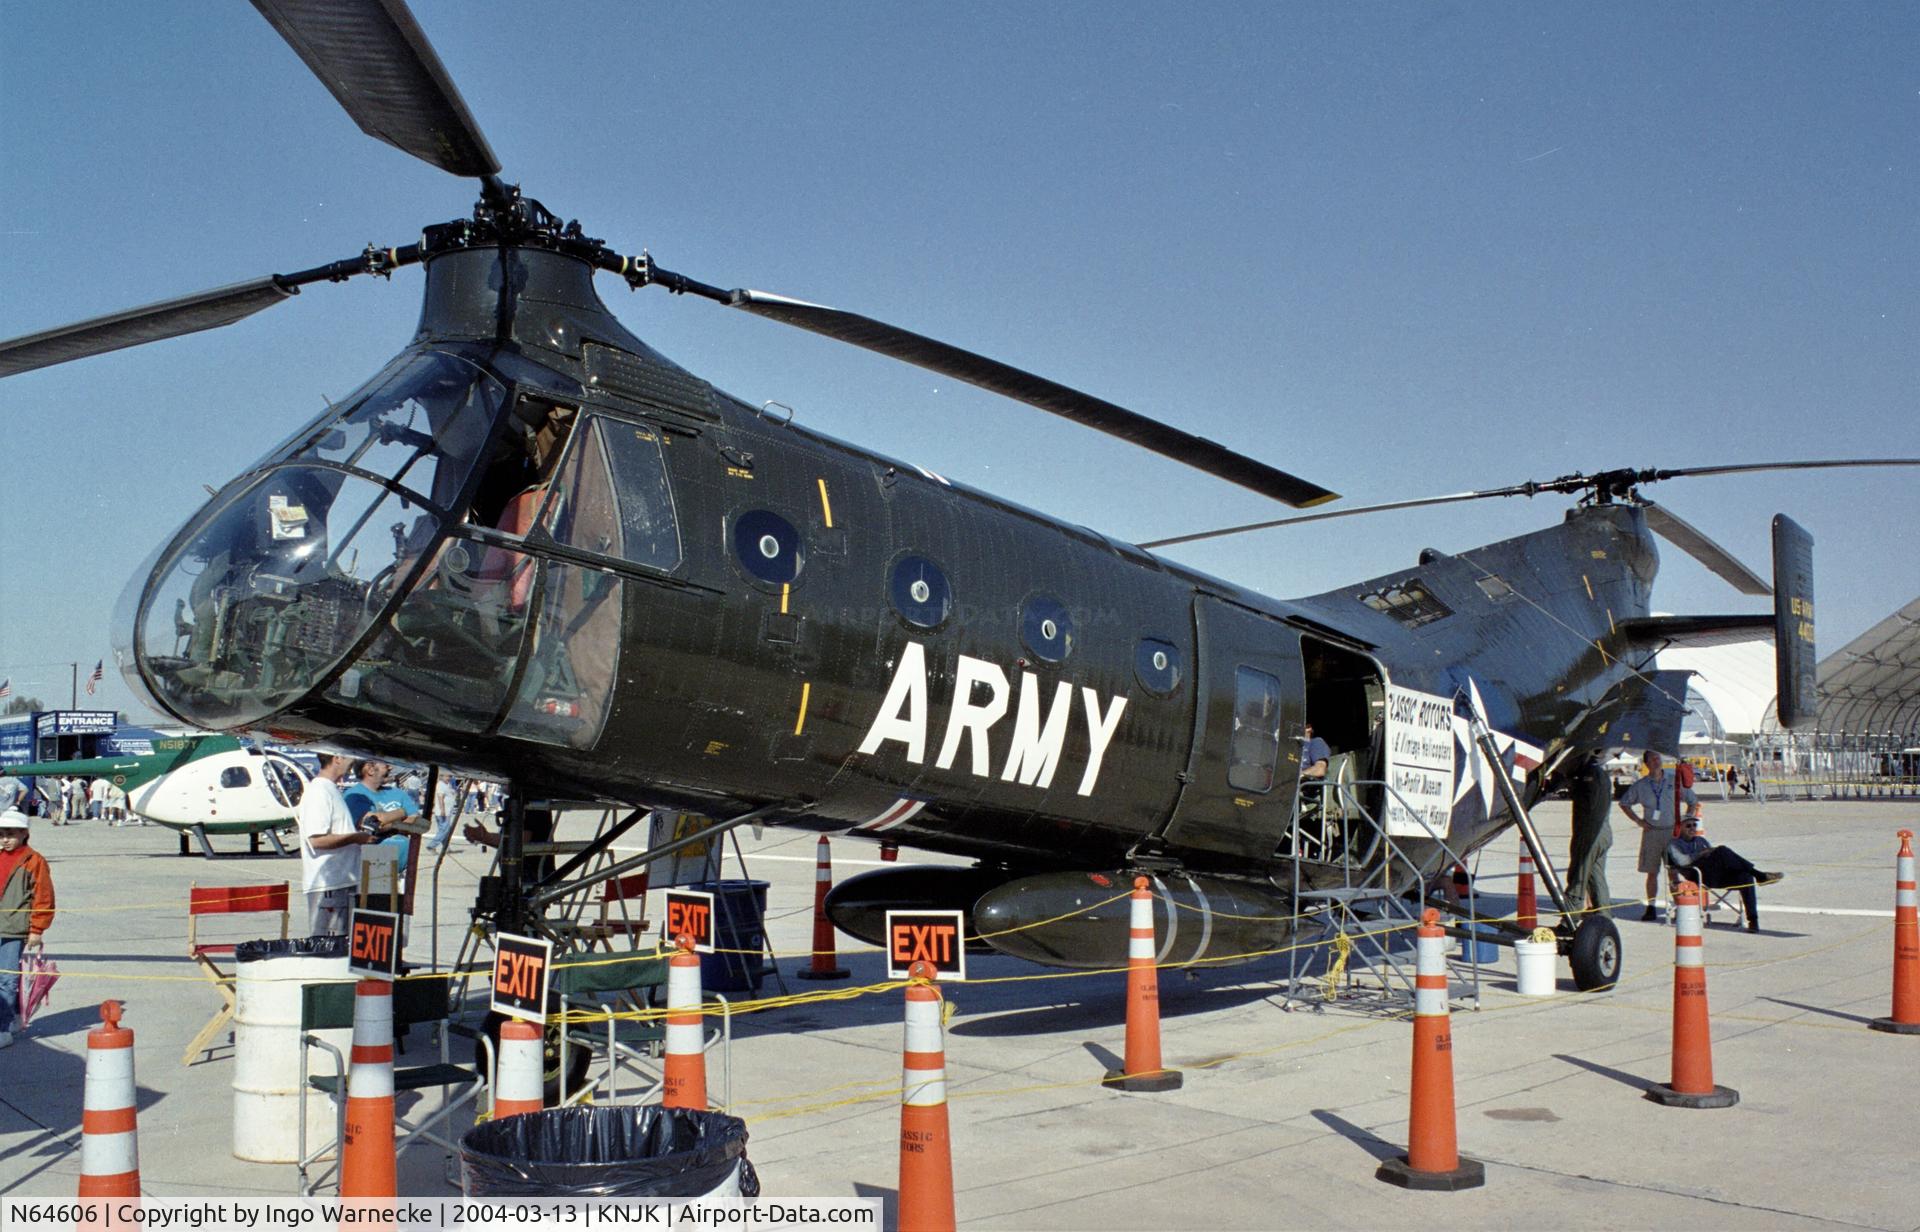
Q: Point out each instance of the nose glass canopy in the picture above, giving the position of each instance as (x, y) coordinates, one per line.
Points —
(277, 579)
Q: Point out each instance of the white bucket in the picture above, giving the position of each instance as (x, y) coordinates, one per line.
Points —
(1539, 967)
(266, 1058)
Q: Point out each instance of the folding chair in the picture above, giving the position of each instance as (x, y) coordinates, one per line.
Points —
(329, 1006)
(616, 919)
(225, 900)
(1716, 899)
(584, 982)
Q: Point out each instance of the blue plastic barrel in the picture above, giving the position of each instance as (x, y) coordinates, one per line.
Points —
(1482, 952)
(739, 934)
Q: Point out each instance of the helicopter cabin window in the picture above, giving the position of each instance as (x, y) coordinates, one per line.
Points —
(611, 498)
(567, 686)
(1256, 731)
(1047, 628)
(768, 546)
(1409, 602)
(920, 592)
(235, 776)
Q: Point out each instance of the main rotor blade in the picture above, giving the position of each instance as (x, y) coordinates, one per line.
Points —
(1084, 409)
(166, 319)
(1696, 544)
(377, 62)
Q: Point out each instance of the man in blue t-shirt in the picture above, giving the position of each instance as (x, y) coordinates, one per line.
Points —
(1314, 755)
(374, 801)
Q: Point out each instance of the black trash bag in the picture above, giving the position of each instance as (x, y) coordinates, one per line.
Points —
(618, 1151)
(328, 946)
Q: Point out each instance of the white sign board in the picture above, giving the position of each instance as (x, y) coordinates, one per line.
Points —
(1419, 763)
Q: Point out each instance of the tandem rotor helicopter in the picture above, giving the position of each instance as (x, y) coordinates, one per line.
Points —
(533, 549)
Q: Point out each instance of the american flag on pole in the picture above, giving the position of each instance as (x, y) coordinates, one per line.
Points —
(6, 688)
(93, 681)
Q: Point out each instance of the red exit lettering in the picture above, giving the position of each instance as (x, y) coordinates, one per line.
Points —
(932, 943)
(517, 976)
(372, 943)
(686, 917)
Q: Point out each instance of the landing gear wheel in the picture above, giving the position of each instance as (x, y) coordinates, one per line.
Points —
(578, 1059)
(1595, 954)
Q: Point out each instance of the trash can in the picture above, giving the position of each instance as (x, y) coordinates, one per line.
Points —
(1482, 952)
(267, 978)
(615, 1151)
(739, 934)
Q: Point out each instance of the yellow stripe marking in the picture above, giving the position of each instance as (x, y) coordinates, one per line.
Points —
(785, 588)
(1589, 582)
(826, 507)
(806, 687)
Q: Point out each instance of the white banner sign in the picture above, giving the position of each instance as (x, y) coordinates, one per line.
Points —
(1419, 763)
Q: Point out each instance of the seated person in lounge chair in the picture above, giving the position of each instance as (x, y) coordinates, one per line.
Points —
(1693, 858)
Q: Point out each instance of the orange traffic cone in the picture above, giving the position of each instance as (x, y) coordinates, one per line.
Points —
(366, 1146)
(518, 1085)
(685, 1081)
(1526, 902)
(1433, 1160)
(109, 1142)
(1692, 1085)
(1143, 1071)
(926, 1153)
(1906, 947)
(826, 964)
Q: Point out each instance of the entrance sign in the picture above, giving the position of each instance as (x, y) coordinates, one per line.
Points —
(522, 969)
(1420, 747)
(690, 913)
(933, 937)
(373, 944)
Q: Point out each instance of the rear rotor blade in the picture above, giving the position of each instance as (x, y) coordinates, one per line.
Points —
(167, 319)
(1223, 532)
(1743, 468)
(1084, 409)
(377, 62)
(1696, 544)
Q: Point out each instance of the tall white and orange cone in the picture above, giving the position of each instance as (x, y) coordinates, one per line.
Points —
(109, 1142)
(367, 1167)
(684, 1081)
(1433, 1160)
(926, 1151)
(826, 963)
(518, 1085)
(1692, 1085)
(1905, 1019)
(1143, 1071)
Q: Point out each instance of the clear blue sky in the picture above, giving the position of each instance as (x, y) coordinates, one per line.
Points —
(1401, 250)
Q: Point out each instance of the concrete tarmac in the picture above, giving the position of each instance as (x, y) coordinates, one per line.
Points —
(1285, 1111)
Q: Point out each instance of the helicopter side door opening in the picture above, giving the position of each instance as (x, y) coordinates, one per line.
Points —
(1346, 699)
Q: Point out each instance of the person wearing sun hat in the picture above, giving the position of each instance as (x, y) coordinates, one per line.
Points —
(26, 909)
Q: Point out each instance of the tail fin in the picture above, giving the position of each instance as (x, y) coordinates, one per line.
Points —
(1797, 699)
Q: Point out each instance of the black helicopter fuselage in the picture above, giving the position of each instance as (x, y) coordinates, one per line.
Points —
(536, 550)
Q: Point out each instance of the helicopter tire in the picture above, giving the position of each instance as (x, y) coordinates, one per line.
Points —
(578, 1060)
(1595, 954)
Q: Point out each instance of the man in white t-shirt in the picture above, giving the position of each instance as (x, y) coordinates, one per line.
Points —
(329, 848)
